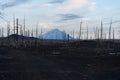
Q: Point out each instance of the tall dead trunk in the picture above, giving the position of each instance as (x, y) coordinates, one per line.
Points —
(2, 43)
(73, 34)
(64, 36)
(110, 29)
(87, 33)
(105, 36)
(36, 42)
(28, 33)
(24, 22)
(21, 30)
(14, 24)
(0, 32)
(95, 33)
(17, 33)
(113, 34)
(80, 31)
(68, 37)
(37, 30)
(101, 30)
(98, 34)
(8, 30)
(41, 32)
(32, 33)
(17, 26)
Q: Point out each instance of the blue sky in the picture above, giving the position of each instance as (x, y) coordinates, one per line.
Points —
(62, 14)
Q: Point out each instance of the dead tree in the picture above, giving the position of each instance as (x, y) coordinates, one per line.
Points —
(0, 32)
(105, 36)
(68, 37)
(95, 33)
(36, 41)
(21, 30)
(98, 33)
(21, 33)
(32, 33)
(113, 34)
(110, 29)
(37, 30)
(41, 32)
(87, 33)
(73, 34)
(2, 43)
(24, 22)
(8, 30)
(17, 33)
(17, 26)
(14, 24)
(31, 40)
(80, 32)
(63, 35)
(101, 36)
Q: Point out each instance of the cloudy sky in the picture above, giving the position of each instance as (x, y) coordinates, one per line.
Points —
(62, 14)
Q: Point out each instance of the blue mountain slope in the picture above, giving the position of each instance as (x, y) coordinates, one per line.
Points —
(56, 34)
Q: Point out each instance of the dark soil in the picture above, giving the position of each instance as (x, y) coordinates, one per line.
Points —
(17, 64)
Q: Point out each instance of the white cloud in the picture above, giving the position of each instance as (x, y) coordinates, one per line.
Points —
(70, 5)
(46, 5)
(86, 19)
(46, 26)
(108, 9)
(92, 6)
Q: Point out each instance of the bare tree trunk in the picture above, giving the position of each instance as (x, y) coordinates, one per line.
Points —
(17, 26)
(113, 34)
(98, 34)
(24, 25)
(17, 33)
(37, 30)
(105, 36)
(0, 32)
(110, 29)
(64, 36)
(101, 30)
(41, 33)
(14, 23)
(31, 41)
(36, 42)
(87, 33)
(95, 33)
(21, 33)
(73, 35)
(21, 30)
(32, 33)
(2, 43)
(80, 31)
(68, 37)
(28, 33)
(8, 30)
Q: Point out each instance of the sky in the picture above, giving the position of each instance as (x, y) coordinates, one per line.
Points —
(62, 14)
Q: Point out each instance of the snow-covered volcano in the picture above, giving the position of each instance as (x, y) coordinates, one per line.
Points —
(56, 34)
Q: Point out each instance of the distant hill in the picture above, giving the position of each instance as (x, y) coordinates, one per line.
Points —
(14, 36)
(56, 34)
